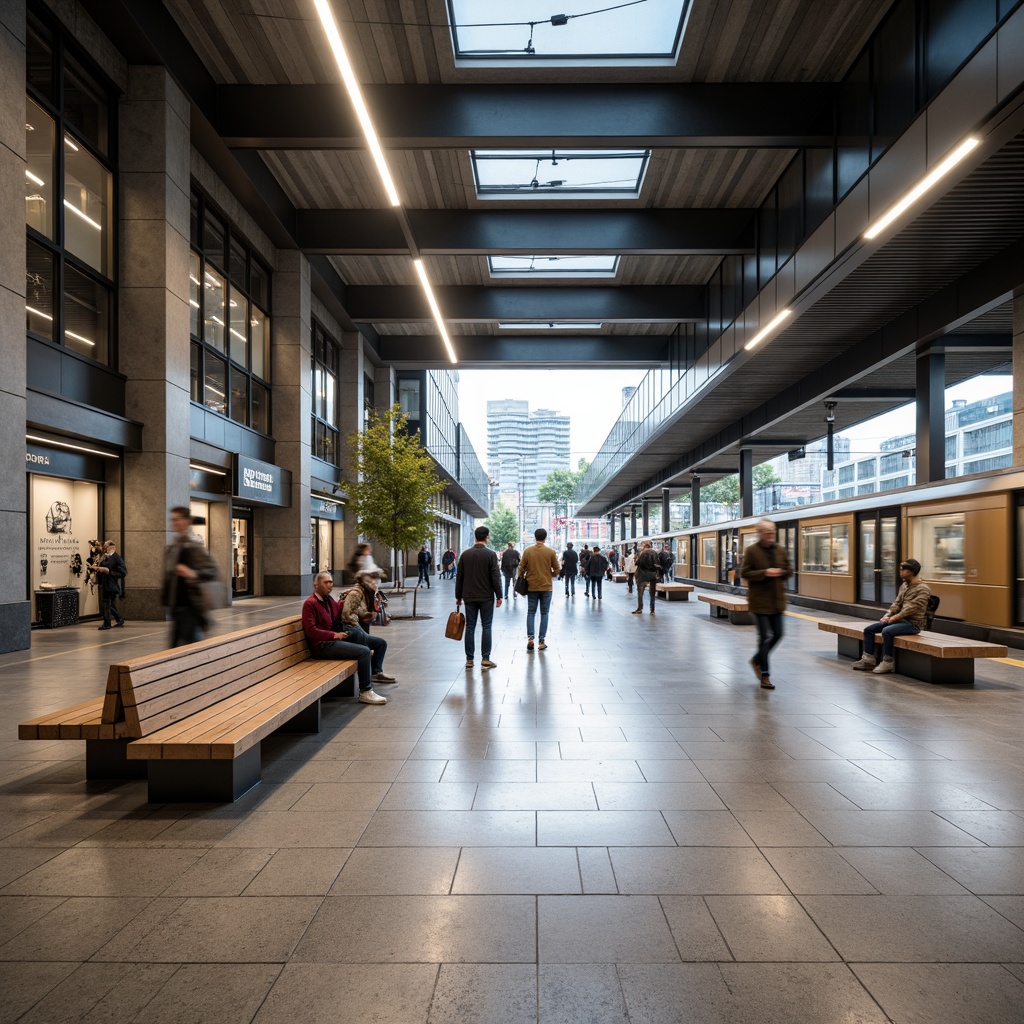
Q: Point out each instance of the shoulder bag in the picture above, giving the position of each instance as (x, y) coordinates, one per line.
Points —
(456, 626)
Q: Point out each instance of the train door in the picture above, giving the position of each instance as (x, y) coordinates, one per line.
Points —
(878, 545)
(786, 534)
(1019, 573)
(728, 557)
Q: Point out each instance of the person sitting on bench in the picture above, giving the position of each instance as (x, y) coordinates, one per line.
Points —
(906, 616)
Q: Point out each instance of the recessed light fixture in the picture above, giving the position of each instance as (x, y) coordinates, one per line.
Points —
(768, 328)
(70, 447)
(207, 469)
(88, 220)
(34, 178)
(432, 302)
(940, 170)
(323, 8)
(549, 326)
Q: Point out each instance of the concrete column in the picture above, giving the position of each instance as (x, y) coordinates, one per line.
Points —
(666, 510)
(622, 524)
(931, 417)
(1018, 376)
(611, 528)
(746, 482)
(632, 523)
(154, 146)
(15, 611)
(645, 511)
(695, 501)
(286, 543)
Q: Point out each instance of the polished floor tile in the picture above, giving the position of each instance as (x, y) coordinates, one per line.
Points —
(573, 837)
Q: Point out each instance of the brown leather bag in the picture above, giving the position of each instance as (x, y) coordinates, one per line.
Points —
(456, 626)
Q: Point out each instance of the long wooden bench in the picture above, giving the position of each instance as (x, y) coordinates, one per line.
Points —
(727, 606)
(191, 719)
(931, 657)
(673, 591)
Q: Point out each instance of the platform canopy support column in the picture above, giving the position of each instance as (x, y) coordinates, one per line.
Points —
(746, 482)
(1018, 376)
(646, 516)
(695, 501)
(666, 510)
(931, 417)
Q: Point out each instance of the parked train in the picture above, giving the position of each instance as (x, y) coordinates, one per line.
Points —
(968, 535)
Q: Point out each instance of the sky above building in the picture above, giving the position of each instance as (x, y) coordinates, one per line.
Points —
(592, 399)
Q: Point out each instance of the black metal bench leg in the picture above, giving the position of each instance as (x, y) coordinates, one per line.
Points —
(741, 618)
(848, 647)
(108, 759)
(307, 720)
(955, 671)
(218, 781)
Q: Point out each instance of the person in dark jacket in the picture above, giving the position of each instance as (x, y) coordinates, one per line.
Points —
(596, 568)
(478, 583)
(509, 567)
(570, 567)
(447, 564)
(110, 572)
(423, 560)
(648, 569)
(665, 561)
(584, 560)
(187, 566)
(766, 568)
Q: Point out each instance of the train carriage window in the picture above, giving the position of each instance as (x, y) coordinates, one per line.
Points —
(707, 551)
(814, 543)
(841, 549)
(938, 544)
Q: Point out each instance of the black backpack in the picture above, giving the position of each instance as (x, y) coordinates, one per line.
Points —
(929, 614)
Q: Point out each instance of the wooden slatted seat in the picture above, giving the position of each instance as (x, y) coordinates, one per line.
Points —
(673, 591)
(196, 715)
(931, 657)
(727, 606)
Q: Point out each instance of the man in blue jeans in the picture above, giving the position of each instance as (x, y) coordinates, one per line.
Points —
(540, 566)
(478, 583)
(905, 616)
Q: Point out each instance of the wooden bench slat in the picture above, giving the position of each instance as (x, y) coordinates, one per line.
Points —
(49, 726)
(725, 600)
(938, 645)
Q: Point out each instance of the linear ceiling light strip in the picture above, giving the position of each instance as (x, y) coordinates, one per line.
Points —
(429, 292)
(939, 171)
(768, 328)
(323, 8)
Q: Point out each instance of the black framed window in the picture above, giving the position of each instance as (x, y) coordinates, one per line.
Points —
(229, 320)
(325, 359)
(69, 198)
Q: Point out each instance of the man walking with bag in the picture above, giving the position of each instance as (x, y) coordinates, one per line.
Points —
(478, 583)
(539, 566)
(766, 568)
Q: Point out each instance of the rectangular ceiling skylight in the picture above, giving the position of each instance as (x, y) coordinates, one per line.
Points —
(559, 174)
(553, 266)
(553, 326)
(576, 32)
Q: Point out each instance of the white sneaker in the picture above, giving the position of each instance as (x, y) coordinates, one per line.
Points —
(369, 697)
(884, 666)
(866, 663)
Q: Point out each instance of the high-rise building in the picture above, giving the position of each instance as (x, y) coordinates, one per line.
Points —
(523, 447)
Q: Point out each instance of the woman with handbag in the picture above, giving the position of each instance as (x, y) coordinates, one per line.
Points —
(357, 613)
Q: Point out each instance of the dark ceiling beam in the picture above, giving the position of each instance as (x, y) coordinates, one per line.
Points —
(971, 343)
(488, 352)
(771, 442)
(873, 395)
(551, 232)
(475, 304)
(745, 115)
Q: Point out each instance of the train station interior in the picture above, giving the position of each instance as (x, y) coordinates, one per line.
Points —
(251, 226)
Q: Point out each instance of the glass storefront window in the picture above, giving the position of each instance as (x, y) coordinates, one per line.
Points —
(85, 106)
(86, 315)
(238, 329)
(216, 389)
(87, 207)
(260, 342)
(39, 133)
(239, 396)
(214, 238)
(196, 375)
(39, 290)
(39, 62)
(214, 305)
(321, 544)
(260, 408)
(194, 293)
(938, 544)
(707, 551)
(259, 283)
(239, 263)
(409, 397)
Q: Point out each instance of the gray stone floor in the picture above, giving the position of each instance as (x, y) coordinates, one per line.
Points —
(621, 828)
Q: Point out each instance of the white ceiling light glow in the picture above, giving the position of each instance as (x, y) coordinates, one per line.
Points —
(323, 8)
(429, 292)
(768, 328)
(940, 170)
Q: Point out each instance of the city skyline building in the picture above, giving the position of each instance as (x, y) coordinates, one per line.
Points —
(524, 446)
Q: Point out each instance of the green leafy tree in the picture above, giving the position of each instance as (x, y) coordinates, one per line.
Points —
(394, 485)
(727, 490)
(765, 474)
(504, 526)
(559, 489)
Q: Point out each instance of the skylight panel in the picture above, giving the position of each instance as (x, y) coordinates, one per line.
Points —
(550, 326)
(582, 32)
(553, 266)
(559, 174)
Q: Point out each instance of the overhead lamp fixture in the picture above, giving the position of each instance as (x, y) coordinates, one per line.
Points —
(71, 447)
(34, 178)
(432, 302)
(79, 213)
(768, 328)
(323, 8)
(206, 469)
(940, 170)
